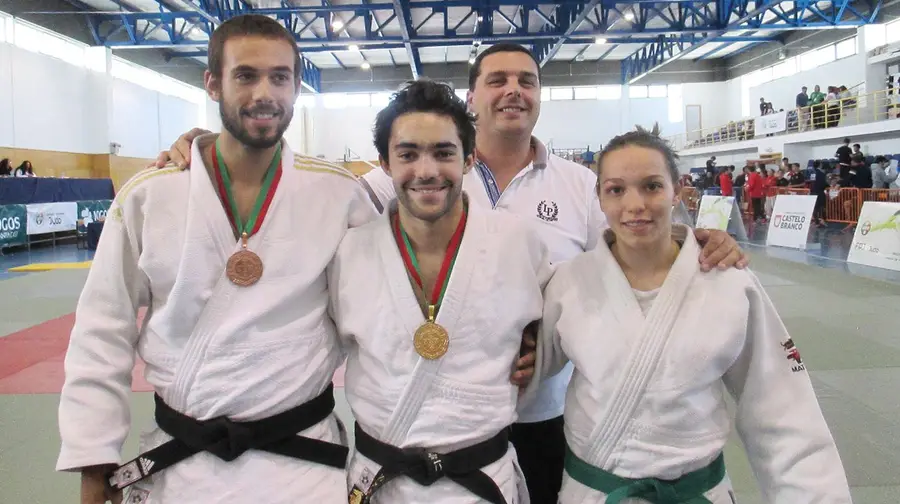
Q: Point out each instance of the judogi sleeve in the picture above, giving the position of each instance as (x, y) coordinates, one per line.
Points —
(94, 409)
(596, 220)
(549, 355)
(778, 417)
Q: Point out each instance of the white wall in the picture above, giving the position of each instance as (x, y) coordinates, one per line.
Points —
(713, 98)
(782, 92)
(48, 104)
(6, 96)
(568, 124)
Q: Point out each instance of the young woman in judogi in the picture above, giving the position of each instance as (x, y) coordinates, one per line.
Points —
(655, 346)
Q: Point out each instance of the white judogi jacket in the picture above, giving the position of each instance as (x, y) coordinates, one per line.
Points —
(458, 400)
(212, 348)
(647, 398)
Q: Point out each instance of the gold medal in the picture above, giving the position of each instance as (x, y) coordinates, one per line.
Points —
(431, 341)
(244, 268)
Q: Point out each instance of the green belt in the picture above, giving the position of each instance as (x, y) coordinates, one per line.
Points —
(688, 489)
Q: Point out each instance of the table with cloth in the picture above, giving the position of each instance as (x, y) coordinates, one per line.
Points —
(26, 190)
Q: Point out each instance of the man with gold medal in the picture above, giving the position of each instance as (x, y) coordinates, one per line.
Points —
(430, 302)
(229, 258)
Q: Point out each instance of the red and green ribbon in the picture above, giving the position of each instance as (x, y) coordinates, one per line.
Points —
(266, 192)
(412, 264)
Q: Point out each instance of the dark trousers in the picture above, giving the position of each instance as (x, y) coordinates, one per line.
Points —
(541, 448)
(759, 211)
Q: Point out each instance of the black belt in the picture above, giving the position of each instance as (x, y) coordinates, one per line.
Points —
(228, 440)
(425, 468)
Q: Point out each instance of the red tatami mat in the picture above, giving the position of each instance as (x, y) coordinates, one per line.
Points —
(31, 360)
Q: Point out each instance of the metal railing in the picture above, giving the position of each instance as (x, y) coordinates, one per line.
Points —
(878, 105)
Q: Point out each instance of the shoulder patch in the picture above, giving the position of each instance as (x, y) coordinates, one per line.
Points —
(306, 163)
(142, 177)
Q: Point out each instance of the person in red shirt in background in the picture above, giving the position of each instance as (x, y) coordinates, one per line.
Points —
(769, 184)
(757, 193)
(725, 181)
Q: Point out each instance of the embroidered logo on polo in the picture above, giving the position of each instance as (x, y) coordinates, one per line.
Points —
(793, 354)
(548, 211)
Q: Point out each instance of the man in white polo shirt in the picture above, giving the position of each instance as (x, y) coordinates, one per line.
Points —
(514, 172)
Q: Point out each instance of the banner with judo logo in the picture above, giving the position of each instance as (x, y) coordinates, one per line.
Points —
(51, 217)
(877, 238)
(12, 225)
(790, 222)
(92, 211)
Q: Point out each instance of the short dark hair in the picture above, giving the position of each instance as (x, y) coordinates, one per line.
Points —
(857, 145)
(425, 95)
(475, 71)
(847, 140)
(248, 25)
(640, 137)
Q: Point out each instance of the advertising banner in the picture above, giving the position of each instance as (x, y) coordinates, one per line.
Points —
(91, 211)
(877, 238)
(791, 217)
(12, 225)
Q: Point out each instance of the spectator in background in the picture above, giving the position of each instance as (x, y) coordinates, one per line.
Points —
(861, 176)
(763, 106)
(769, 188)
(739, 183)
(785, 164)
(24, 170)
(5, 168)
(857, 157)
(796, 178)
(757, 193)
(881, 179)
(817, 109)
(782, 178)
(802, 103)
(725, 181)
(819, 186)
(711, 165)
(844, 156)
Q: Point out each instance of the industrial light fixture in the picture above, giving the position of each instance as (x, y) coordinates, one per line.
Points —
(365, 65)
(629, 16)
(480, 18)
(337, 24)
(354, 47)
(472, 60)
(599, 40)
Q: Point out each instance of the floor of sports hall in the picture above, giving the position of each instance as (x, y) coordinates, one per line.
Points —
(844, 319)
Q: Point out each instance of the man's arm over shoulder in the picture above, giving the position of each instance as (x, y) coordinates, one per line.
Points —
(380, 188)
(361, 209)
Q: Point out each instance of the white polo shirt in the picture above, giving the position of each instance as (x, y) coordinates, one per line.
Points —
(559, 199)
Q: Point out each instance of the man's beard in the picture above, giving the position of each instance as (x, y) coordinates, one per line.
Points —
(234, 127)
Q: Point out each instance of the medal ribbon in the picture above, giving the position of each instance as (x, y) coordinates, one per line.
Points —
(412, 264)
(266, 192)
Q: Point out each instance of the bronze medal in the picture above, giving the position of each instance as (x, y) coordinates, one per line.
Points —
(244, 268)
(431, 341)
